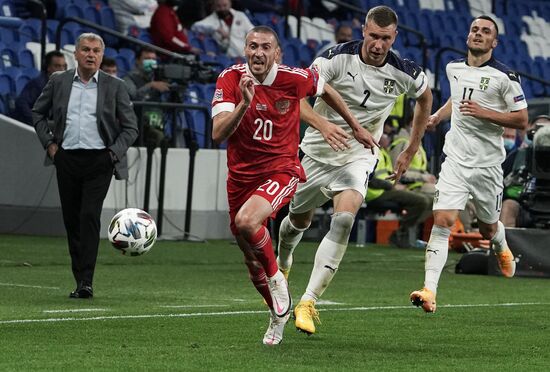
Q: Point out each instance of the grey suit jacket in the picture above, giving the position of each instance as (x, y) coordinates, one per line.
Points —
(116, 120)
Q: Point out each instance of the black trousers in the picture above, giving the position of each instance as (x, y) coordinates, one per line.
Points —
(83, 178)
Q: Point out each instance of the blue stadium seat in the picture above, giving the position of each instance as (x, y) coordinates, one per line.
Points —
(7, 85)
(110, 52)
(52, 24)
(92, 14)
(123, 64)
(129, 55)
(73, 10)
(70, 32)
(107, 19)
(31, 72)
(210, 45)
(196, 122)
(81, 3)
(25, 58)
(7, 9)
(29, 32)
(195, 42)
(9, 58)
(224, 60)
(21, 82)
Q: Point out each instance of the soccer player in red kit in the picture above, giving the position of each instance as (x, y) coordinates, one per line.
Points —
(256, 107)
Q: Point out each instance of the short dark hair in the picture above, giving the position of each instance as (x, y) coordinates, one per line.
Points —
(51, 55)
(382, 15)
(145, 49)
(264, 30)
(107, 61)
(487, 18)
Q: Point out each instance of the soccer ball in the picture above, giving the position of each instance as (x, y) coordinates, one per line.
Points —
(132, 231)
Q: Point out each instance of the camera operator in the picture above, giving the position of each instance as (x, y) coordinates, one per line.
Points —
(142, 86)
(518, 180)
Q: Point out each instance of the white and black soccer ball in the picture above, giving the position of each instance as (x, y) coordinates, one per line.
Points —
(132, 231)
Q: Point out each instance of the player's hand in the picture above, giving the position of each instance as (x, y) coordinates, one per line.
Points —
(429, 178)
(161, 86)
(52, 150)
(471, 108)
(433, 121)
(246, 85)
(401, 165)
(365, 138)
(335, 136)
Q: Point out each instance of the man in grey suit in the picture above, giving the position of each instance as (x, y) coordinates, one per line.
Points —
(93, 126)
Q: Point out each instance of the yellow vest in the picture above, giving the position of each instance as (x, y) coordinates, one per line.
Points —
(383, 169)
(419, 161)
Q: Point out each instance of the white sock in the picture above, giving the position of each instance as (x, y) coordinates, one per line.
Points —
(437, 251)
(289, 237)
(498, 242)
(328, 257)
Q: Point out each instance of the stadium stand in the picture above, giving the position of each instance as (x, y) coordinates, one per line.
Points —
(524, 44)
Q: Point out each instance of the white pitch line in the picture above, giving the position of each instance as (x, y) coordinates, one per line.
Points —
(72, 310)
(190, 306)
(226, 313)
(27, 286)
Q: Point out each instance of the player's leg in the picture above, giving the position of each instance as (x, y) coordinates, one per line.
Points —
(249, 222)
(290, 233)
(451, 196)
(488, 202)
(328, 257)
(256, 271)
(308, 196)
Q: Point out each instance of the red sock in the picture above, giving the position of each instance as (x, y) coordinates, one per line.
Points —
(261, 245)
(260, 283)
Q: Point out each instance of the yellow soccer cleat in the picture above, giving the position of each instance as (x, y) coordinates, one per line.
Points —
(305, 315)
(285, 272)
(424, 298)
(506, 263)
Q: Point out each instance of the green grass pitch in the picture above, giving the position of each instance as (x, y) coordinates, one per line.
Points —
(190, 306)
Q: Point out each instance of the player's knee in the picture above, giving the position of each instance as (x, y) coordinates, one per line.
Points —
(444, 219)
(300, 221)
(245, 224)
(340, 227)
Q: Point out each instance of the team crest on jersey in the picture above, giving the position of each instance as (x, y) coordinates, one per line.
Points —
(218, 95)
(484, 83)
(282, 106)
(389, 85)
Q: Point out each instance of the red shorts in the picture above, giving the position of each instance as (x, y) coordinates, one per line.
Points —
(277, 189)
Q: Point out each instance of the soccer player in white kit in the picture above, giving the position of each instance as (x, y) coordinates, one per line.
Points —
(369, 77)
(486, 96)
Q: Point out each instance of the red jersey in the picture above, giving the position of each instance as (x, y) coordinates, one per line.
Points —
(268, 136)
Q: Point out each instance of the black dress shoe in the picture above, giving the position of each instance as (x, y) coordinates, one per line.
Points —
(82, 291)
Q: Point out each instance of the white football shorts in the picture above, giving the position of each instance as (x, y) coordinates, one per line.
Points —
(456, 183)
(324, 181)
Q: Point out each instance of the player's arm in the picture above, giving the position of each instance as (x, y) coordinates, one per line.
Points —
(225, 123)
(444, 113)
(335, 136)
(515, 119)
(334, 100)
(422, 111)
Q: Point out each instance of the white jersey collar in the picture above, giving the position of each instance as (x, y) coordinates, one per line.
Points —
(269, 79)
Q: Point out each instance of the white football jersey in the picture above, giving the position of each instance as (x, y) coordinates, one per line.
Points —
(369, 92)
(475, 142)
